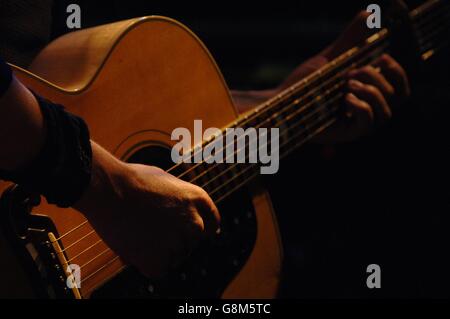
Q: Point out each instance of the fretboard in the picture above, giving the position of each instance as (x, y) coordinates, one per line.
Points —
(431, 25)
(310, 106)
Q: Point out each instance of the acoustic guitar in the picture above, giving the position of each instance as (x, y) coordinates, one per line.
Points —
(134, 82)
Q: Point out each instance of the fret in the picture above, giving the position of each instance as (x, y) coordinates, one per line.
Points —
(334, 69)
(299, 113)
(431, 27)
(303, 136)
(219, 196)
(433, 31)
(422, 11)
(441, 16)
(304, 109)
(421, 17)
(281, 123)
(432, 38)
(427, 55)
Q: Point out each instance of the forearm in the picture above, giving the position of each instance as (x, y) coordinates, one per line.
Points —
(107, 178)
(23, 134)
(22, 129)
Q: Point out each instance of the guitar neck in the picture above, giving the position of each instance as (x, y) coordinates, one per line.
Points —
(431, 26)
(310, 106)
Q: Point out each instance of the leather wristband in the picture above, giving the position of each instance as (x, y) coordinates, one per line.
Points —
(62, 170)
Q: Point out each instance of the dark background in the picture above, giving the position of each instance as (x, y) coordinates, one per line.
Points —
(255, 44)
(382, 200)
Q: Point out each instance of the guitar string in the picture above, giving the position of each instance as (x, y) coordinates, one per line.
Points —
(308, 137)
(264, 121)
(107, 264)
(286, 132)
(95, 257)
(427, 42)
(319, 110)
(433, 49)
(291, 92)
(293, 137)
(72, 230)
(249, 119)
(432, 26)
(84, 251)
(251, 167)
(420, 22)
(437, 49)
(93, 288)
(296, 124)
(422, 10)
(284, 109)
(284, 144)
(318, 89)
(298, 111)
(327, 124)
(428, 26)
(86, 222)
(124, 266)
(421, 17)
(254, 174)
(79, 240)
(274, 102)
(218, 200)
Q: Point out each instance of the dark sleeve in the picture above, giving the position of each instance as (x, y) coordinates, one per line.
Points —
(62, 170)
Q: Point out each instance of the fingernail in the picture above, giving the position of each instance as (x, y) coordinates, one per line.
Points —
(218, 231)
(351, 97)
(355, 84)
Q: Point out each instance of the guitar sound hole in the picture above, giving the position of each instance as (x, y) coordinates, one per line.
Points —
(211, 267)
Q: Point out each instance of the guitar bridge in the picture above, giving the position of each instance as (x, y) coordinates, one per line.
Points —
(33, 240)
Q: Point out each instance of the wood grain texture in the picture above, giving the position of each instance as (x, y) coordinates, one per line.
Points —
(134, 82)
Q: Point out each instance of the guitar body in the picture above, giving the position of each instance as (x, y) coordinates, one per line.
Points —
(134, 82)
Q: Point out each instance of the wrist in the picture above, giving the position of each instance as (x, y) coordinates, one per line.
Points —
(21, 123)
(57, 164)
(109, 177)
